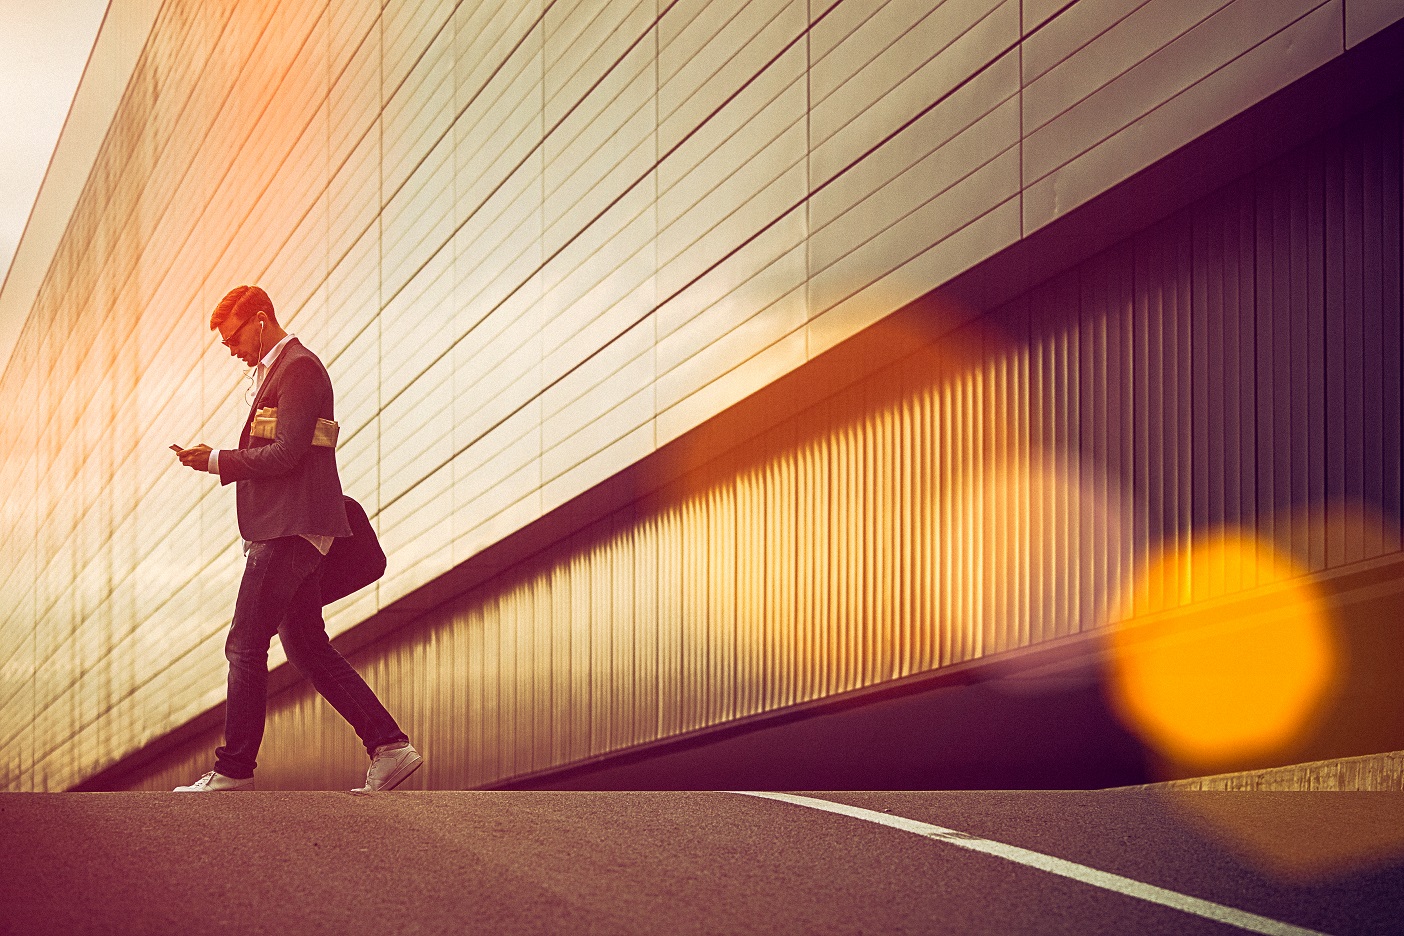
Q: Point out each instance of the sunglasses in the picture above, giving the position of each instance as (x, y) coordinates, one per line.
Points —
(235, 333)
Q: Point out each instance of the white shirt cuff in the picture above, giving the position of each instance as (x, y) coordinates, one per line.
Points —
(214, 462)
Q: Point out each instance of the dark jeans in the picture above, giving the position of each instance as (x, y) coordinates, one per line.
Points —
(281, 592)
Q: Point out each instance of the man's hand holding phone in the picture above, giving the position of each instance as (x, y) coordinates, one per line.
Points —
(197, 458)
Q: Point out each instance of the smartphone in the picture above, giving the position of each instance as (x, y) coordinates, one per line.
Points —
(177, 449)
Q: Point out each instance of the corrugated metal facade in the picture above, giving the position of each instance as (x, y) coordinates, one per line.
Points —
(534, 242)
(1237, 365)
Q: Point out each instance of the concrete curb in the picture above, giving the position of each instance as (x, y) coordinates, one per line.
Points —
(1372, 772)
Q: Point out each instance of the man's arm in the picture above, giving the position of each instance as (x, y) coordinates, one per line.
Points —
(300, 393)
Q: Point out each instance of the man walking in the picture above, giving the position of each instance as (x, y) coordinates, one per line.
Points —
(290, 508)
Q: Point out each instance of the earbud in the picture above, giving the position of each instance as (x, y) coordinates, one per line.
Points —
(254, 370)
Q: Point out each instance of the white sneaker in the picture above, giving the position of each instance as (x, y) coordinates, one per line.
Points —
(216, 782)
(390, 766)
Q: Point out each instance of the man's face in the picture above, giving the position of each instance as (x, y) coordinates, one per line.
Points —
(241, 337)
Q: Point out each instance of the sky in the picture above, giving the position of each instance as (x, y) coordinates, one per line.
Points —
(44, 45)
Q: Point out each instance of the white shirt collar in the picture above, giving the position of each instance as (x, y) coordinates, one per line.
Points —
(273, 353)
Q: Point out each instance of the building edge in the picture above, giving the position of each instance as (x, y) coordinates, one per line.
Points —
(121, 40)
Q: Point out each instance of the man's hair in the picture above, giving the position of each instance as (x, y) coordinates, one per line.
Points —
(242, 303)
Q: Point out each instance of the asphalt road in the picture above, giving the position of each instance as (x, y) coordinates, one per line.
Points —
(531, 862)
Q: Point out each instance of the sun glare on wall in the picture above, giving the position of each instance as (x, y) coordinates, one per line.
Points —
(1225, 682)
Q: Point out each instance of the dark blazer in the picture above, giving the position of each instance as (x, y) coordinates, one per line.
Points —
(287, 486)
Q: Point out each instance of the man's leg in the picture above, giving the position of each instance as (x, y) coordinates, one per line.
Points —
(273, 574)
(304, 636)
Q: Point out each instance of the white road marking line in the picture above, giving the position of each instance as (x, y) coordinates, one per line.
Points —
(1068, 869)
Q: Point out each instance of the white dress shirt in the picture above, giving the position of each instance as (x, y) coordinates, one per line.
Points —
(323, 543)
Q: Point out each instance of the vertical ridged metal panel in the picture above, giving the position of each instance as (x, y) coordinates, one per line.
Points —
(1235, 365)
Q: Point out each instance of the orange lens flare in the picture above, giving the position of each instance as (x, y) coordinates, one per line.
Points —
(1225, 682)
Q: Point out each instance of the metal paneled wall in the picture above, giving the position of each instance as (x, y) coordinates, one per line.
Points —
(1237, 365)
(533, 242)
